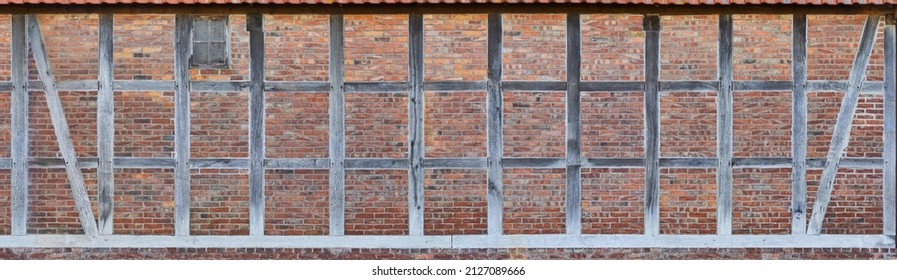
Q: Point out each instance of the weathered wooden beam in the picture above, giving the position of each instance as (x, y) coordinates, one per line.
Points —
(19, 125)
(651, 25)
(61, 128)
(255, 26)
(452, 241)
(280, 86)
(453, 8)
(888, 138)
(689, 86)
(182, 125)
(574, 126)
(724, 113)
(455, 86)
(611, 86)
(841, 135)
(416, 124)
(494, 138)
(375, 87)
(533, 86)
(337, 101)
(441, 163)
(105, 127)
(799, 125)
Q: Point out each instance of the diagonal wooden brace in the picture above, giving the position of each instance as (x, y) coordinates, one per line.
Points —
(61, 128)
(841, 136)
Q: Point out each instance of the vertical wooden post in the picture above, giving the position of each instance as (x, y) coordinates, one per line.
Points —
(61, 128)
(337, 128)
(841, 134)
(182, 125)
(574, 126)
(255, 26)
(724, 128)
(105, 127)
(19, 123)
(416, 124)
(494, 125)
(799, 125)
(651, 25)
(890, 163)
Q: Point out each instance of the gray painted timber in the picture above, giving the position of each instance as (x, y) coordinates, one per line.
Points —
(574, 127)
(799, 125)
(890, 150)
(337, 111)
(451, 241)
(869, 87)
(297, 163)
(533, 86)
(441, 163)
(219, 86)
(672, 241)
(296, 86)
(534, 162)
(105, 127)
(377, 163)
(455, 163)
(651, 25)
(416, 124)
(182, 125)
(61, 128)
(494, 136)
(139, 85)
(724, 128)
(622, 86)
(255, 26)
(375, 87)
(690, 86)
(841, 135)
(19, 125)
(453, 86)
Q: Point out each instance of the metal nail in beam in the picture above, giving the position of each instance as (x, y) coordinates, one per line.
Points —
(841, 135)
(61, 128)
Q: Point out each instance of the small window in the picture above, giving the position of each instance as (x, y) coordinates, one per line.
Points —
(210, 48)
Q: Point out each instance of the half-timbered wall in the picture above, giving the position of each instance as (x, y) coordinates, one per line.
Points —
(474, 126)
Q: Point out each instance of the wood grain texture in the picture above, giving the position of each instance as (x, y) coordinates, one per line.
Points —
(182, 125)
(19, 125)
(255, 26)
(61, 128)
(494, 124)
(105, 127)
(651, 25)
(724, 114)
(337, 113)
(574, 126)
(799, 125)
(416, 124)
(890, 150)
(841, 134)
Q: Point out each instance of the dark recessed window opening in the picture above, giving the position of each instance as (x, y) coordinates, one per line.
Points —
(211, 47)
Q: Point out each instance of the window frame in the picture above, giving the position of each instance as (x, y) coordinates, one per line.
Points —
(227, 43)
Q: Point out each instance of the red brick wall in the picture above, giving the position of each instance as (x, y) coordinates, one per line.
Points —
(455, 201)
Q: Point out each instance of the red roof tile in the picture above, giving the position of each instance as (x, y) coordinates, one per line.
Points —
(658, 2)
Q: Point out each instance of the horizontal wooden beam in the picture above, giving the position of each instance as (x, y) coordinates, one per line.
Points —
(870, 87)
(467, 8)
(441, 163)
(451, 241)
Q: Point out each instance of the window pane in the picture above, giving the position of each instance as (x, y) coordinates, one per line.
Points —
(217, 54)
(218, 32)
(200, 54)
(200, 30)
